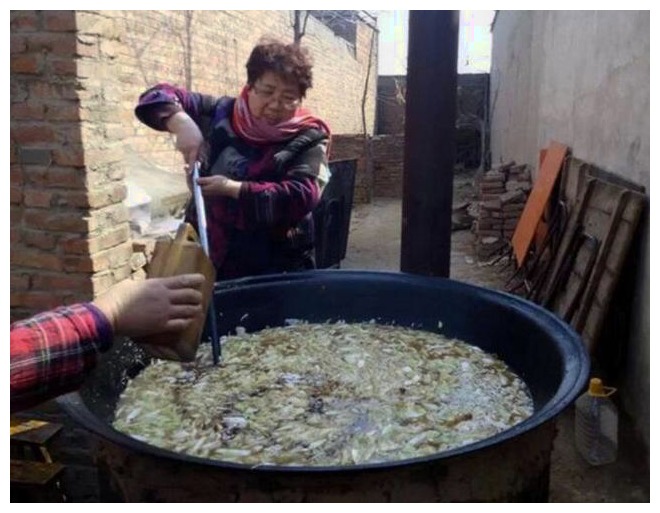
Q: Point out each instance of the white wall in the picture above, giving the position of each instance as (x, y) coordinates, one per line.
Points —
(581, 78)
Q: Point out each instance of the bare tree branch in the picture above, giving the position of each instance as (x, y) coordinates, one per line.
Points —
(298, 26)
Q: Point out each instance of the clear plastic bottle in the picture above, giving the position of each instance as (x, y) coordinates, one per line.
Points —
(596, 424)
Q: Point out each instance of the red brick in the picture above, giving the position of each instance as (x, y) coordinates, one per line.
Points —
(73, 297)
(19, 281)
(18, 314)
(65, 177)
(22, 257)
(108, 195)
(27, 110)
(102, 261)
(102, 282)
(58, 44)
(102, 219)
(68, 134)
(62, 67)
(35, 156)
(100, 156)
(15, 235)
(70, 156)
(24, 21)
(18, 90)
(63, 281)
(37, 198)
(33, 133)
(37, 300)
(60, 21)
(64, 111)
(39, 239)
(13, 152)
(17, 44)
(39, 219)
(26, 63)
(15, 195)
(45, 90)
(106, 240)
(15, 216)
(122, 273)
(65, 198)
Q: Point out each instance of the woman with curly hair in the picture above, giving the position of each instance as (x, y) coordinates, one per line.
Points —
(263, 160)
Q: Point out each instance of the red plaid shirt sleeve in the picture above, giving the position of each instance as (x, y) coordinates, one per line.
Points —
(52, 352)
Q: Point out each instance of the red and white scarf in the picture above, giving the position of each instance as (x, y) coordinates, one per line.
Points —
(257, 131)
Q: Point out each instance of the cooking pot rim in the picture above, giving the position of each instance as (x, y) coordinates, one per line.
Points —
(574, 379)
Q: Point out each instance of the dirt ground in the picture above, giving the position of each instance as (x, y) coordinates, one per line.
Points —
(374, 243)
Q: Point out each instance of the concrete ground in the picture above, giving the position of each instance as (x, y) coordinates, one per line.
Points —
(374, 243)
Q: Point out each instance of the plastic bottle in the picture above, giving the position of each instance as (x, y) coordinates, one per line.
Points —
(596, 424)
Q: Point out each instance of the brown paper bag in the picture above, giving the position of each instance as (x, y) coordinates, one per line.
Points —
(182, 255)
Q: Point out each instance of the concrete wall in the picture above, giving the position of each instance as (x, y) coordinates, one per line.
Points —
(581, 78)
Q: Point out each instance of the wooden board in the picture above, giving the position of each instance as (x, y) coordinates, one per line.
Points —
(32, 431)
(182, 255)
(523, 236)
(608, 208)
(33, 472)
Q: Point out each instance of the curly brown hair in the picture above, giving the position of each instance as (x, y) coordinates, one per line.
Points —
(290, 61)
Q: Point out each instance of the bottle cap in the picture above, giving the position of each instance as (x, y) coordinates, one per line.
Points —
(596, 388)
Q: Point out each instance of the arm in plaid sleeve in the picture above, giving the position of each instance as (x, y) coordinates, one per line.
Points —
(292, 198)
(52, 352)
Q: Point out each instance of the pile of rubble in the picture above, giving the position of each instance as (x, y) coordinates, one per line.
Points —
(502, 196)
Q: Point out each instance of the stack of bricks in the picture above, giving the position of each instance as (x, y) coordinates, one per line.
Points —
(502, 196)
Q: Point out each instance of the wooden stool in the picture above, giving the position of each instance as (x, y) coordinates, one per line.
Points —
(34, 475)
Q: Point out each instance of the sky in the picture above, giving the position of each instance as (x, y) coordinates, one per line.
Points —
(474, 42)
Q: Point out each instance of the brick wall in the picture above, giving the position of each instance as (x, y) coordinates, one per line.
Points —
(69, 229)
(385, 178)
(387, 151)
(207, 51)
(353, 147)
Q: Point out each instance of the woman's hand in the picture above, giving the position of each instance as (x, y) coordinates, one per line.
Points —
(219, 185)
(189, 140)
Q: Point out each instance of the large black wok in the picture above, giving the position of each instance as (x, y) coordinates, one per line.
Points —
(513, 465)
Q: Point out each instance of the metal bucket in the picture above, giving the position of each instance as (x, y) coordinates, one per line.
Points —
(511, 466)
